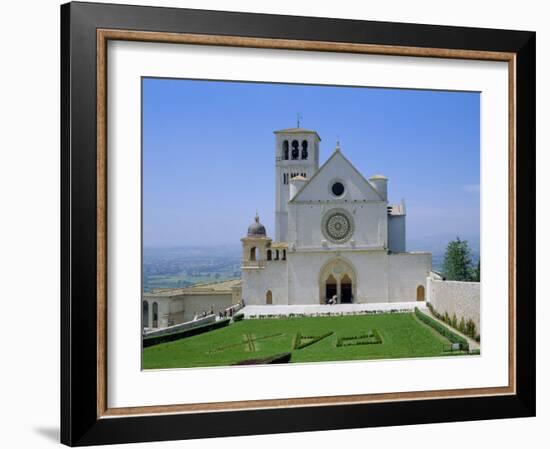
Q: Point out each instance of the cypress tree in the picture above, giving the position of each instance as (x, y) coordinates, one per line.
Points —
(457, 265)
(477, 271)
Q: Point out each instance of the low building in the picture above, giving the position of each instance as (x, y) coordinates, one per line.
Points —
(168, 307)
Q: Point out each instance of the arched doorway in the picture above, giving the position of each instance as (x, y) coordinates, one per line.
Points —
(420, 292)
(269, 297)
(331, 287)
(338, 277)
(253, 253)
(145, 314)
(155, 315)
(346, 290)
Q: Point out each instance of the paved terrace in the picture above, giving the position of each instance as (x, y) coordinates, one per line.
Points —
(344, 309)
(204, 288)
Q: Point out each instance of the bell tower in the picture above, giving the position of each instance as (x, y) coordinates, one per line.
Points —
(296, 154)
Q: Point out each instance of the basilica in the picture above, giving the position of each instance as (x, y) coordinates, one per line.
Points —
(336, 238)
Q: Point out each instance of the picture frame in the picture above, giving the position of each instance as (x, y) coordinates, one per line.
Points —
(86, 28)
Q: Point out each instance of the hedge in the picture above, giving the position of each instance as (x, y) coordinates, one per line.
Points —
(238, 317)
(371, 338)
(465, 327)
(279, 358)
(443, 330)
(311, 340)
(150, 341)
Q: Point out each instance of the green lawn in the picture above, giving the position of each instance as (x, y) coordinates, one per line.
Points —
(402, 335)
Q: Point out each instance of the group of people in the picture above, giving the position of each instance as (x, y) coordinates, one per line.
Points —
(202, 314)
(225, 313)
(229, 312)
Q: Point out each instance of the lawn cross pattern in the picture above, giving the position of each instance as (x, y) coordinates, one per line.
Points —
(249, 343)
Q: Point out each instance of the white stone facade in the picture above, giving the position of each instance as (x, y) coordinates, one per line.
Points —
(376, 276)
(336, 235)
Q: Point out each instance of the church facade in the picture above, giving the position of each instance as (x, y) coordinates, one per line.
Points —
(336, 235)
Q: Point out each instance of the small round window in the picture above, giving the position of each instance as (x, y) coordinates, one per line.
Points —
(337, 189)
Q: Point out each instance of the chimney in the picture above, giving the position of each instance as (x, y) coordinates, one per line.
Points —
(380, 183)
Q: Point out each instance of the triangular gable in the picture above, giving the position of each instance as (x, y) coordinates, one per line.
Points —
(337, 167)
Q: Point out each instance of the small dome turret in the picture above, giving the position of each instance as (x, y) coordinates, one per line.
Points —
(256, 229)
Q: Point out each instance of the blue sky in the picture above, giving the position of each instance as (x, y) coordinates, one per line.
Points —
(208, 155)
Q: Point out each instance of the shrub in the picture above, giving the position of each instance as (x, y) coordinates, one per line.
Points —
(471, 329)
(155, 340)
(297, 339)
(466, 328)
(238, 317)
(447, 333)
(454, 321)
(279, 358)
(368, 338)
(311, 339)
(462, 325)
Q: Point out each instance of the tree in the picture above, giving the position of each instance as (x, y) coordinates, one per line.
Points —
(477, 271)
(457, 265)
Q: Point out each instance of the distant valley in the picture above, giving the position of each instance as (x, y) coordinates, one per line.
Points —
(184, 266)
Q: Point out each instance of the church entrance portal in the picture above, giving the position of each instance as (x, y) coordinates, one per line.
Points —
(346, 290)
(331, 287)
(337, 280)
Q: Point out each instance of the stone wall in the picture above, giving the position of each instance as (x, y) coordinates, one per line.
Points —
(183, 326)
(456, 298)
(195, 304)
(257, 282)
(407, 272)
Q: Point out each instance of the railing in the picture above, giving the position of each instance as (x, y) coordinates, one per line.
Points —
(254, 264)
(181, 326)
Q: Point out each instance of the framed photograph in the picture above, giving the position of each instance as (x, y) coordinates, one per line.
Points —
(283, 224)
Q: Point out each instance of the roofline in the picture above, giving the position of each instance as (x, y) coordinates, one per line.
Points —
(337, 150)
(196, 289)
(296, 131)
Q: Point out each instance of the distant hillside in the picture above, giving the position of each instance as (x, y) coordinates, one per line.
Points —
(173, 267)
(192, 251)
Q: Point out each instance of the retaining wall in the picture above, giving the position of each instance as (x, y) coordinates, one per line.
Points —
(183, 326)
(456, 298)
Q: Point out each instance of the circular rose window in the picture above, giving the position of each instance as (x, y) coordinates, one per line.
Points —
(337, 189)
(338, 226)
